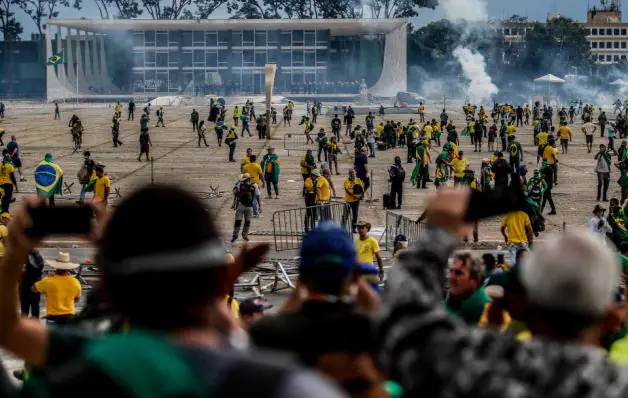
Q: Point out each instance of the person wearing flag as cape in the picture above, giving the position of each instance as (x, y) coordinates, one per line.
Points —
(48, 179)
(270, 165)
(420, 175)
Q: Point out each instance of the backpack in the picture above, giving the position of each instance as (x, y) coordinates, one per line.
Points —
(513, 149)
(535, 192)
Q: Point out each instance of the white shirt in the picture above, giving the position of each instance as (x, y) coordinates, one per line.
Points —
(599, 226)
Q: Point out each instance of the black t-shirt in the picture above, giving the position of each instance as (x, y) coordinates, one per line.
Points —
(335, 123)
(144, 137)
(501, 170)
(359, 164)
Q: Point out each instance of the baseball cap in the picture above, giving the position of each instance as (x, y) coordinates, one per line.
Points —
(328, 252)
(253, 305)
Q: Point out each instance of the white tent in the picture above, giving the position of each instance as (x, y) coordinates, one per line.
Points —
(549, 79)
(619, 82)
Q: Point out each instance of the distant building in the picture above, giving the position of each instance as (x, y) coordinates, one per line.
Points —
(174, 57)
(606, 33)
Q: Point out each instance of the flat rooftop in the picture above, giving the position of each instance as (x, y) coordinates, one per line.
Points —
(339, 27)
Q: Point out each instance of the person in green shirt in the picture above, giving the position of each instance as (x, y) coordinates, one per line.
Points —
(623, 179)
(466, 297)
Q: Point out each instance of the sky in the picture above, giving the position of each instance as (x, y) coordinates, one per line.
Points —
(498, 9)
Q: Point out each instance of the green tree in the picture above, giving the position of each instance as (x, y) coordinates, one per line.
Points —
(119, 9)
(557, 46)
(10, 28)
(399, 8)
(40, 10)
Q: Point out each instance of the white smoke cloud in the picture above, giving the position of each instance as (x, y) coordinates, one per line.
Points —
(468, 10)
(481, 87)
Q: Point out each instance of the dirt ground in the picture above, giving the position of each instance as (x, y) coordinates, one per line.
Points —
(177, 158)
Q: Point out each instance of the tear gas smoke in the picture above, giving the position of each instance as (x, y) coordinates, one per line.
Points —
(481, 87)
(473, 64)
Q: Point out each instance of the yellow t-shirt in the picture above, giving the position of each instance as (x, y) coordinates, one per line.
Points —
(99, 189)
(61, 292)
(516, 223)
(5, 173)
(254, 170)
(349, 187)
(459, 165)
(511, 130)
(379, 128)
(324, 193)
(541, 138)
(245, 160)
(428, 131)
(304, 170)
(234, 307)
(564, 132)
(366, 249)
(236, 112)
(455, 148)
(548, 152)
(3, 234)
(421, 108)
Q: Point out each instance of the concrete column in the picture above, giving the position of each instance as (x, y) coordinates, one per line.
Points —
(87, 63)
(95, 64)
(69, 57)
(80, 68)
(55, 90)
(394, 76)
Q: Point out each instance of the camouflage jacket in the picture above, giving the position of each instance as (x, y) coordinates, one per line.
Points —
(434, 355)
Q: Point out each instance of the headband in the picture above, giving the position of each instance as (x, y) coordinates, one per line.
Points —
(204, 256)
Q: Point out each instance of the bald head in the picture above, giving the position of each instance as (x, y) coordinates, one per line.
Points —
(571, 272)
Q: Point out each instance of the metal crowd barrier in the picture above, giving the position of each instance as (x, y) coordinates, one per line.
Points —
(291, 225)
(397, 224)
(298, 142)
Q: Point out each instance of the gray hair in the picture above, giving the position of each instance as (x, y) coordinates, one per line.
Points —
(572, 272)
(471, 261)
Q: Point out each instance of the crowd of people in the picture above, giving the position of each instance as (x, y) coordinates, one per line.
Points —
(548, 323)
(545, 318)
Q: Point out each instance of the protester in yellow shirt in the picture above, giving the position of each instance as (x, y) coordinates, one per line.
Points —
(323, 191)
(427, 129)
(550, 153)
(7, 181)
(511, 129)
(62, 290)
(4, 232)
(246, 159)
(517, 232)
(564, 133)
(102, 186)
(541, 138)
(255, 171)
(459, 164)
(367, 247)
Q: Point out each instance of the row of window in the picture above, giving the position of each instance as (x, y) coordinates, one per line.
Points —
(235, 38)
(514, 31)
(609, 58)
(607, 32)
(246, 80)
(608, 44)
(210, 59)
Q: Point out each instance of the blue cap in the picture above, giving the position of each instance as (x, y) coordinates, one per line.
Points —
(370, 272)
(327, 252)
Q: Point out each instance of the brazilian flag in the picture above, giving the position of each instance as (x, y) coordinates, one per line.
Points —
(55, 59)
(48, 179)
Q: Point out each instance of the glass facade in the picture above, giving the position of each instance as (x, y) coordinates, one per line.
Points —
(227, 60)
